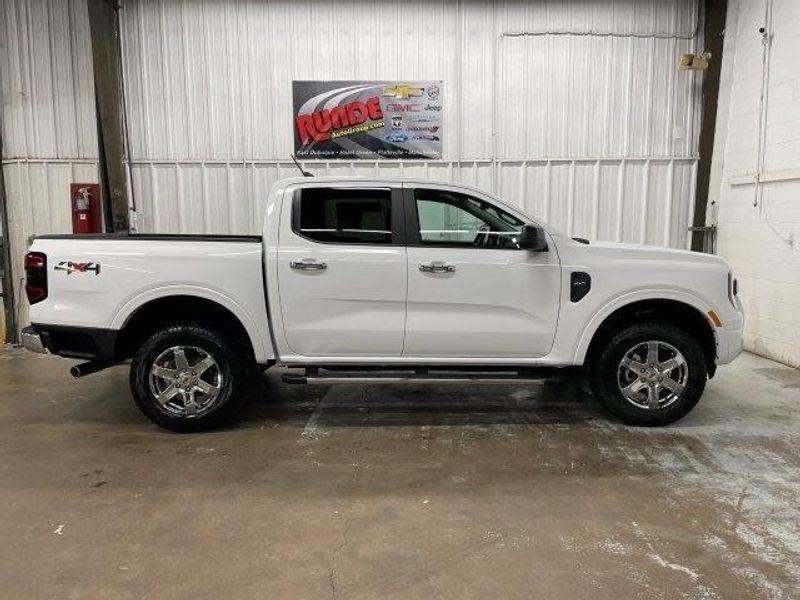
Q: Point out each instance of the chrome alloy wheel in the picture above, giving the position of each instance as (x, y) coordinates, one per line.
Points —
(185, 381)
(652, 375)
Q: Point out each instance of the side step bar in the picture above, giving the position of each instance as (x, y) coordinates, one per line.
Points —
(393, 375)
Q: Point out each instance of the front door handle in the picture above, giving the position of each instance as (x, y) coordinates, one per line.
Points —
(308, 264)
(436, 267)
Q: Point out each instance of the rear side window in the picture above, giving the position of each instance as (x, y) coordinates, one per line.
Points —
(344, 216)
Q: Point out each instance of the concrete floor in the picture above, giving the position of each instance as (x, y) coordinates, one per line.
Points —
(398, 491)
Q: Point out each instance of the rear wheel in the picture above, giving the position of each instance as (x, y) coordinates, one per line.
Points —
(187, 378)
(649, 374)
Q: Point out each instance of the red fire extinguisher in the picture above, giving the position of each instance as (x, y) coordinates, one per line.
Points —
(85, 208)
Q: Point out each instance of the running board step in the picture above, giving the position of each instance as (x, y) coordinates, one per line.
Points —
(318, 375)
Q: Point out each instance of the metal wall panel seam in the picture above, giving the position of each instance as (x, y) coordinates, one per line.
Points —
(690, 215)
(155, 205)
(181, 197)
(231, 194)
(620, 200)
(644, 199)
(570, 198)
(628, 99)
(42, 160)
(547, 190)
(388, 163)
(73, 74)
(648, 123)
(30, 71)
(206, 204)
(595, 198)
(668, 204)
(167, 99)
(51, 77)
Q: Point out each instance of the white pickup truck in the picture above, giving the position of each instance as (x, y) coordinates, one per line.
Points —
(382, 279)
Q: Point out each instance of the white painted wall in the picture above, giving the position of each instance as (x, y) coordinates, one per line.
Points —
(756, 171)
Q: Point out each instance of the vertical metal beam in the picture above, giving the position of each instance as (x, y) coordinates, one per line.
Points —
(715, 11)
(106, 60)
(5, 262)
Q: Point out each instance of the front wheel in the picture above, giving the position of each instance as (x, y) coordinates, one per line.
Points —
(187, 378)
(649, 374)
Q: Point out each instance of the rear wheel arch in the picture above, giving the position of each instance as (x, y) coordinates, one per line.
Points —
(162, 312)
(684, 315)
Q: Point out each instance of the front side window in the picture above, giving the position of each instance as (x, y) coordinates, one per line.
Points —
(345, 216)
(452, 219)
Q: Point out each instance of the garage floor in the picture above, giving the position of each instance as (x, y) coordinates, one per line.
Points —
(398, 491)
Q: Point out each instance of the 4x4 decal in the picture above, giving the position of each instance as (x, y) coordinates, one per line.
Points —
(77, 267)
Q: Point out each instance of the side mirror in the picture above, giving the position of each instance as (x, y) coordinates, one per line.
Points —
(532, 238)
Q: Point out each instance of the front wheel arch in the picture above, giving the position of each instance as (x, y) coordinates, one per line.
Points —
(681, 314)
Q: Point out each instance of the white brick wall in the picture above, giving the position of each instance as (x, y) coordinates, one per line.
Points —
(761, 242)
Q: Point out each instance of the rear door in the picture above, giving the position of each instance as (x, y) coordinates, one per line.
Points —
(472, 292)
(342, 271)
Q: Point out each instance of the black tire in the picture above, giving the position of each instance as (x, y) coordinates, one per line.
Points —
(233, 367)
(605, 366)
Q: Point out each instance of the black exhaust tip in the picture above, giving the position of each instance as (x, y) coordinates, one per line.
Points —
(87, 368)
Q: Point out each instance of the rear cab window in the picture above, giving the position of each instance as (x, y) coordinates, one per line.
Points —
(344, 216)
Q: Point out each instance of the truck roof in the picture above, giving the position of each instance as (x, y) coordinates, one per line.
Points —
(378, 180)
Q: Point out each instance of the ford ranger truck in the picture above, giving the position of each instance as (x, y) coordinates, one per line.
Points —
(382, 279)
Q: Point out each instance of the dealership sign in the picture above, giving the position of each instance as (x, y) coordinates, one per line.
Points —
(367, 119)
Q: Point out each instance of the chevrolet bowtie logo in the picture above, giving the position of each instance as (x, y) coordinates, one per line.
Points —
(402, 91)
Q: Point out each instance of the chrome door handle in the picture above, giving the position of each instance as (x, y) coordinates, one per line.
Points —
(308, 264)
(436, 267)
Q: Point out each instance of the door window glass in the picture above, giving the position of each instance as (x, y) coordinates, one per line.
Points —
(452, 219)
(345, 216)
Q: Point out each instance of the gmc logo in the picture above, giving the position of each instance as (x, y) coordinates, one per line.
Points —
(398, 108)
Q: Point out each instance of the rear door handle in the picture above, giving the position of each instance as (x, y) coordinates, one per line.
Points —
(308, 264)
(436, 267)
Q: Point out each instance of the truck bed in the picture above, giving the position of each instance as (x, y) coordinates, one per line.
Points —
(97, 283)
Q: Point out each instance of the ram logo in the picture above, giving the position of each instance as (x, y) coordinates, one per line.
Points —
(77, 267)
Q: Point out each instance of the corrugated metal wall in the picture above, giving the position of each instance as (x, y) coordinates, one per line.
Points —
(48, 119)
(574, 110)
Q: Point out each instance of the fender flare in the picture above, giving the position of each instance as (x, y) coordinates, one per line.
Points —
(599, 317)
(262, 348)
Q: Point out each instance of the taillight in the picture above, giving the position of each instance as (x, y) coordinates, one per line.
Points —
(35, 276)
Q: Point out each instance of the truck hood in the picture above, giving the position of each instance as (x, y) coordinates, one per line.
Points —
(613, 250)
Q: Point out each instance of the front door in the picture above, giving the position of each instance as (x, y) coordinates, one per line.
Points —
(342, 272)
(472, 292)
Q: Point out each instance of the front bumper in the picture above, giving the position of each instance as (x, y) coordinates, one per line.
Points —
(730, 336)
(32, 341)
